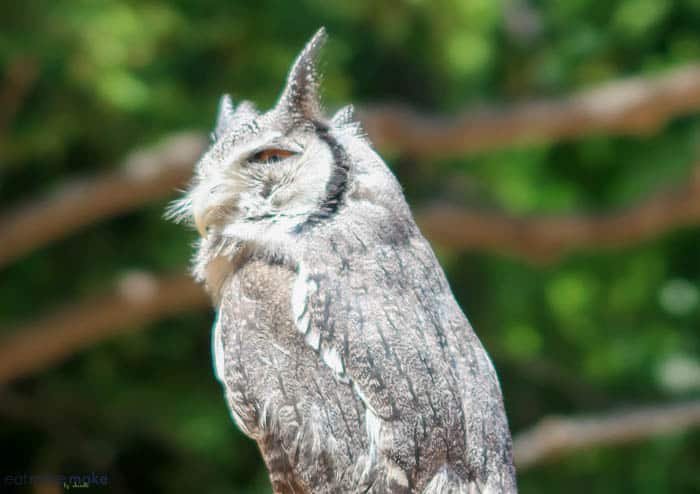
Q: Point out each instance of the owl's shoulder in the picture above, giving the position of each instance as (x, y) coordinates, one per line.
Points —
(261, 279)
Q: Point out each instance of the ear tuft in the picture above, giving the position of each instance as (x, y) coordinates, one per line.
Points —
(300, 98)
(230, 117)
(224, 117)
(343, 117)
(344, 121)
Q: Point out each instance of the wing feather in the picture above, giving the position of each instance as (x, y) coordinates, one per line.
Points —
(384, 319)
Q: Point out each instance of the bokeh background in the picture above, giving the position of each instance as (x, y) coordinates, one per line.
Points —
(548, 149)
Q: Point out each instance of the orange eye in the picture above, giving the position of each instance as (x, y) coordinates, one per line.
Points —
(272, 155)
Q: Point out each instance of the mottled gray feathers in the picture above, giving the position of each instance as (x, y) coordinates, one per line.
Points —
(340, 346)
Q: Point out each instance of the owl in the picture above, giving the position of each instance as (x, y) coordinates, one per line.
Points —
(340, 347)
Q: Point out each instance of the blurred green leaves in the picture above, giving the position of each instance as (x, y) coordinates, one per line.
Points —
(609, 328)
(634, 19)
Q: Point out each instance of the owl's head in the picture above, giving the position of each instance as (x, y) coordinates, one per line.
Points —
(274, 177)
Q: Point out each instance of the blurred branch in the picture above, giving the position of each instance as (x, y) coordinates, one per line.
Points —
(638, 105)
(136, 299)
(634, 105)
(139, 298)
(145, 176)
(556, 436)
(154, 173)
(20, 75)
(543, 239)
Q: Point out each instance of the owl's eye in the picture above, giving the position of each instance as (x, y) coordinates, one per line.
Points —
(272, 155)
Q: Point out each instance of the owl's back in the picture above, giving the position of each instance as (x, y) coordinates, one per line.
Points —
(382, 303)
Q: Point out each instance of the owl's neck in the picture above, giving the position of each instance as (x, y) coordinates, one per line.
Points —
(218, 258)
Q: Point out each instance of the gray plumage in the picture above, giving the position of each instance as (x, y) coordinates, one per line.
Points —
(340, 346)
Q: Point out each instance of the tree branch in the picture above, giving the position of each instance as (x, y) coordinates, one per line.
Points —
(145, 176)
(139, 298)
(20, 75)
(136, 299)
(556, 436)
(545, 239)
(634, 106)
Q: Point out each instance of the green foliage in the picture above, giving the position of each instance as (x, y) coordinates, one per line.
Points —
(609, 328)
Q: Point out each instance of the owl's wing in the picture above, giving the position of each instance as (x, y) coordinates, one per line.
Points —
(386, 322)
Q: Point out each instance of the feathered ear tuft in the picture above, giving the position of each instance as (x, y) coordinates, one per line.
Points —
(344, 116)
(344, 120)
(230, 117)
(300, 98)
(224, 117)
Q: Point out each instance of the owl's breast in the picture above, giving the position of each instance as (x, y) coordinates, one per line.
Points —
(269, 372)
(248, 347)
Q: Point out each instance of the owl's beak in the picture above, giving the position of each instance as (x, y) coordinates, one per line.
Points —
(200, 222)
(203, 217)
(209, 209)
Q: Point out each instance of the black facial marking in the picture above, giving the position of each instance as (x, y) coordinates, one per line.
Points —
(337, 184)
